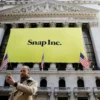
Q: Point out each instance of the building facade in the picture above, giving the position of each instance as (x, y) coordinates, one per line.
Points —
(58, 81)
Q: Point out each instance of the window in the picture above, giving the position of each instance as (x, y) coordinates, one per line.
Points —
(72, 25)
(33, 25)
(46, 24)
(98, 82)
(21, 25)
(62, 98)
(88, 44)
(77, 66)
(4, 42)
(59, 24)
(62, 83)
(82, 98)
(30, 65)
(43, 83)
(80, 67)
(45, 66)
(80, 83)
(11, 66)
(61, 66)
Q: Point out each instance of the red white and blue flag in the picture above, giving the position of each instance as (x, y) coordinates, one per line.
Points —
(84, 61)
(42, 62)
(4, 62)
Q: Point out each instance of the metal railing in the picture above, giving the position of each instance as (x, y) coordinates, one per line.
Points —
(5, 89)
(44, 89)
(82, 89)
(96, 89)
(62, 89)
(15, 0)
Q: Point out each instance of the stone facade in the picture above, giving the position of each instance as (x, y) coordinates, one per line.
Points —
(50, 11)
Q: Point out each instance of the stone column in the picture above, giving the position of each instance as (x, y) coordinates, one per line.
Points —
(53, 67)
(27, 25)
(19, 66)
(2, 31)
(52, 24)
(79, 24)
(65, 24)
(69, 67)
(95, 37)
(39, 24)
(35, 67)
(14, 25)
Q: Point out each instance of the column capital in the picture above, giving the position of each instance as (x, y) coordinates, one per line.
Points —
(14, 25)
(52, 24)
(93, 24)
(52, 67)
(19, 66)
(27, 25)
(69, 66)
(65, 24)
(79, 24)
(36, 67)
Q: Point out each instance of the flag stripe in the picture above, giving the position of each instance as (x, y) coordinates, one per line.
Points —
(4, 63)
(42, 62)
(84, 61)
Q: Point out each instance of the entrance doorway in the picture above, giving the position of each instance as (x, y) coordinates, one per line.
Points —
(82, 98)
(62, 98)
(4, 97)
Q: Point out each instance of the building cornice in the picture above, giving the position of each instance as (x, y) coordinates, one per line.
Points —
(92, 22)
(8, 2)
(80, 73)
(48, 9)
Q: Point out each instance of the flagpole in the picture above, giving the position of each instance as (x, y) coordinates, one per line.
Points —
(42, 69)
(4, 62)
(8, 60)
(78, 65)
(79, 61)
(84, 61)
(43, 60)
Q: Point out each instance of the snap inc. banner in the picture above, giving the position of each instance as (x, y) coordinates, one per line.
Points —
(57, 45)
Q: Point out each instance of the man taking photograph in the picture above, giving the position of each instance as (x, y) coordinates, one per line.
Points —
(26, 88)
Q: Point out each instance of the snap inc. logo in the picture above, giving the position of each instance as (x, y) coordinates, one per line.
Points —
(43, 43)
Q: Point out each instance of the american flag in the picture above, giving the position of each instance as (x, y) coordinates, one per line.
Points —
(42, 62)
(84, 61)
(4, 62)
